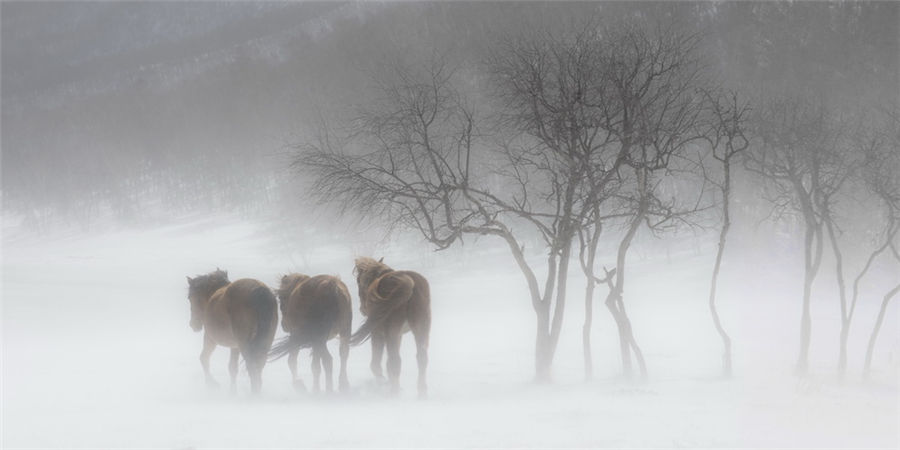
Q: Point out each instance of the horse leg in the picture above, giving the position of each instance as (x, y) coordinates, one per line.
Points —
(316, 369)
(292, 364)
(325, 355)
(377, 352)
(420, 333)
(255, 371)
(255, 364)
(233, 368)
(343, 383)
(392, 341)
(208, 346)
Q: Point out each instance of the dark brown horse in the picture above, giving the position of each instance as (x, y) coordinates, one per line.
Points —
(393, 302)
(315, 310)
(241, 315)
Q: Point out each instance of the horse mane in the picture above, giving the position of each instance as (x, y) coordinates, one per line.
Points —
(210, 282)
(370, 269)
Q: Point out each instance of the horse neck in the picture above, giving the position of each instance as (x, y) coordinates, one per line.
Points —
(209, 295)
(286, 291)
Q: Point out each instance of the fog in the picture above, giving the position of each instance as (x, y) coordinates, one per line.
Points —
(146, 142)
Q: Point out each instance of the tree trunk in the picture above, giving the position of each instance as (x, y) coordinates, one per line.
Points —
(549, 326)
(726, 224)
(871, 348)
(587, 266)
(616, 305)
(891, 231)
(638, 354)
(726, 340)
(586, 329)
(559, 308)
(542, 357)
(542, 353)
(812, 257)
(842, 350)
(842, 291)
(622, 326)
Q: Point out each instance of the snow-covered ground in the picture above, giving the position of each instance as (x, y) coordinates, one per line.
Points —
(97, 352)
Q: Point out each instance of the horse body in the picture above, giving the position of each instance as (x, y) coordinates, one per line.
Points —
(393, 302)
(218, 320)
(240, 315)
(315, 310)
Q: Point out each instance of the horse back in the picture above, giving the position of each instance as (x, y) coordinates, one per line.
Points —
(321, 288)
(321, 305)
(240, 292)
(252, 308)
(421, 292)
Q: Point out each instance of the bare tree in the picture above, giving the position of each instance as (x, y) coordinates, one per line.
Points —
(877, 327)
(865, 165)
(796, 156)
(727, 139)
(578, 116)
(879, 170)
(654, 78)
(550, 88)
(421, 161)
(589, 239)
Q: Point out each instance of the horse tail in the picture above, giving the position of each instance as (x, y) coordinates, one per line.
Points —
(288, 344)
(264, 303)
(316, 324)
(386, 295)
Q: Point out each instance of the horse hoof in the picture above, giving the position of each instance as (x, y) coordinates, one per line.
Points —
(299, 386)
(210, 383)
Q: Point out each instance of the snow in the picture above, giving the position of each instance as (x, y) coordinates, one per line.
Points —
(97, 353)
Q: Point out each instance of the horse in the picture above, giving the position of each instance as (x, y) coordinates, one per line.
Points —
(241, 315)
(288, 284)
(313, 311)
(393, 302)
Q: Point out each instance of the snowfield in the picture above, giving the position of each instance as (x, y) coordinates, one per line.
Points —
(97, 352)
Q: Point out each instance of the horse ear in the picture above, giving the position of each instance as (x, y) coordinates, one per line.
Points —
(380, 260)
(283, 278)
(190, 280)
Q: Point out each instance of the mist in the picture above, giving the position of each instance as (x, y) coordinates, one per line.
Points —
(567, 202)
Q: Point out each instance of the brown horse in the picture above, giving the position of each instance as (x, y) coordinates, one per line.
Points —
(393, 302)
(241, 315)
(313, 311)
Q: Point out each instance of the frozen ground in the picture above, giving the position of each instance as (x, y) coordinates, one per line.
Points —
(97, 352)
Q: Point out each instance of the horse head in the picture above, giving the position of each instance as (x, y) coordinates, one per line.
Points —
(200, 289)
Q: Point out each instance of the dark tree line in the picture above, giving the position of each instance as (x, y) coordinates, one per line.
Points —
(162, 117)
